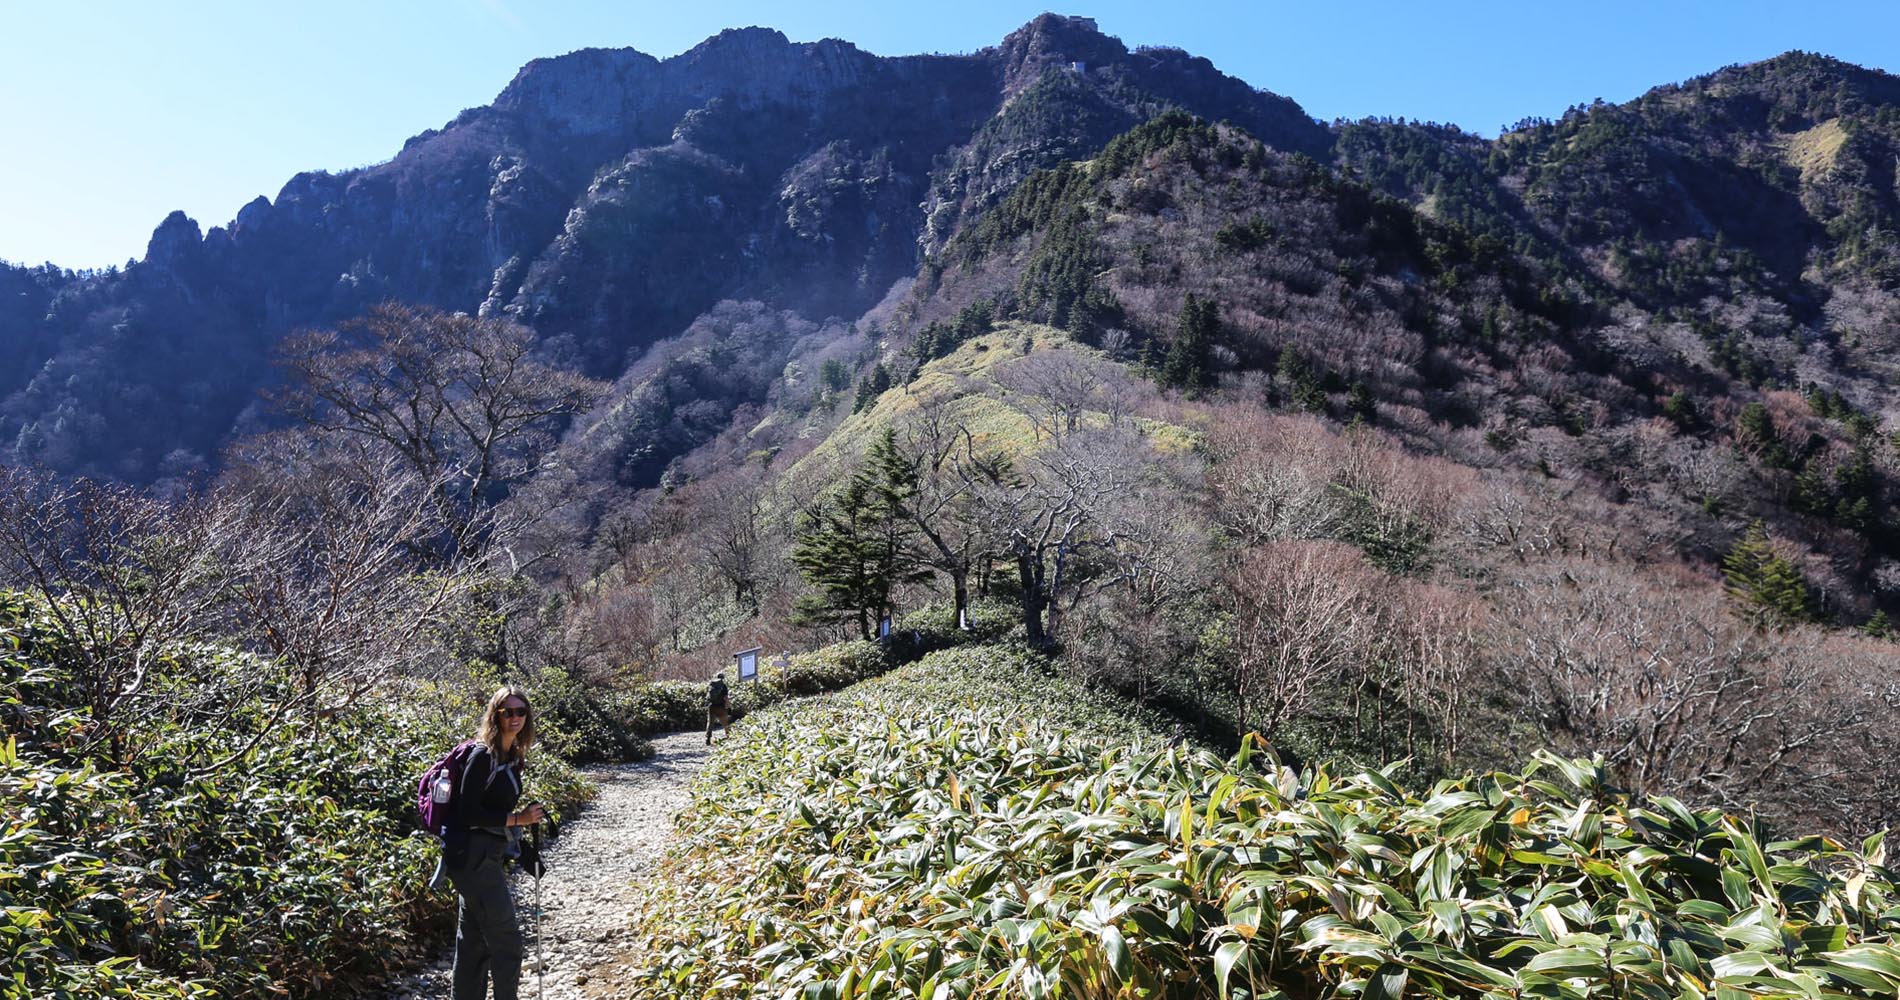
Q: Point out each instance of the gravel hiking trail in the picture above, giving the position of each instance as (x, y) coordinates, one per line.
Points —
(593, 881)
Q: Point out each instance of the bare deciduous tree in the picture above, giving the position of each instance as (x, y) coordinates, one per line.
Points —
(1303, 612)
(1521, 523)
(327, 575)
(727, 528)
(1151, 584)
(1056, 388)
(952, 475)
(1432, 639)
(312, 557)
(1674, 690)
(465, 400)
(127, 578)
(1280, 477)
(1048, 516)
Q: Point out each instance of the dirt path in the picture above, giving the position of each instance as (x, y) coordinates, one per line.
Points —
(588, 895)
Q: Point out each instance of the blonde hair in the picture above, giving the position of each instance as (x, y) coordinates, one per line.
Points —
(490, 732)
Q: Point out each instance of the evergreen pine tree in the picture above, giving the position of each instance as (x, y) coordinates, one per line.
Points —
(929, 344)
(1680, 408)
(891, 475)
(1857, 492)
(833, 375)
(856, 546)
(872, 386)
(1189, 361)
(973, 320)
(1770, 585)
(1755, 432)
(834, 551)
(1360, 404)
(1301, 383)
(1812, 494)
(1148, 365)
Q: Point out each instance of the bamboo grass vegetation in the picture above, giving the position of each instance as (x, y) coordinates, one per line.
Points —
(968, 827)
(299, 872)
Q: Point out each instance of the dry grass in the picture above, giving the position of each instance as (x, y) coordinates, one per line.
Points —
(1814, 151)
(964, 383)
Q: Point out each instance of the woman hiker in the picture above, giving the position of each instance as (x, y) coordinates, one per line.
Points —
(480, 838)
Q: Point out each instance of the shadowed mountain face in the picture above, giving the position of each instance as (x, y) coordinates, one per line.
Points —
(606, 198)
(609, 199)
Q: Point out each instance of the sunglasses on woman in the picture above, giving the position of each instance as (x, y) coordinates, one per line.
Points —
(512, 713)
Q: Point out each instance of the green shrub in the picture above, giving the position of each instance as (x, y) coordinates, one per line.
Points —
(296, 871)
(585, 724)
(674, 706)
(666, 707)
(966, 827)
(300, 870)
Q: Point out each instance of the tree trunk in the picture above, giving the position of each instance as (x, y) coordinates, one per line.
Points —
(1030, 568)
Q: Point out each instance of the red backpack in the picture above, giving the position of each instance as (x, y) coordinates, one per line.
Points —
(441, 784)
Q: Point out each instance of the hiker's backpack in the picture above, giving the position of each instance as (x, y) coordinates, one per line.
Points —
(441, 784)
(716, 692)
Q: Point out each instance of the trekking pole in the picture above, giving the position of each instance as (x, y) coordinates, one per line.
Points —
(540, 955)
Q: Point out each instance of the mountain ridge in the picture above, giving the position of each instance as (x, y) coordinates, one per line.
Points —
(797, 167)
(608, 198)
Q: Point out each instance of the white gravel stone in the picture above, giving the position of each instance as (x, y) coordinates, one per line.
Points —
(588, 896)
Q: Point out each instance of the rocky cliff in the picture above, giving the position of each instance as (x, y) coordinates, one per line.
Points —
(606, 198)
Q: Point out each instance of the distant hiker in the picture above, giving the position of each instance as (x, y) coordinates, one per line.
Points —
(718, 706)
(481, 835)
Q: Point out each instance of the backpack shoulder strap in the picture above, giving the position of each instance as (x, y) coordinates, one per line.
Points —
(494, 770)
(475, 749)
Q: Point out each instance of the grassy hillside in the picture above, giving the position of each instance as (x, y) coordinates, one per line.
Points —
(980, 385)
(968, 826)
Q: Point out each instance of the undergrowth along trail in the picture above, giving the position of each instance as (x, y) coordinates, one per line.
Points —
(970, 826)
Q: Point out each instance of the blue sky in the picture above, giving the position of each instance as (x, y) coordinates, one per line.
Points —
(117, 112)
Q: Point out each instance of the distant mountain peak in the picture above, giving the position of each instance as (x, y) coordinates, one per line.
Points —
(175, 240)
(762, 62)
(1803, 78)
(750, 34)
(1057, 29)
(1054, 40)
(583, 91)
(1798, 60)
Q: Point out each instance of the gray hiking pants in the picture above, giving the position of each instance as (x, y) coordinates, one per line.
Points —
(487, 937)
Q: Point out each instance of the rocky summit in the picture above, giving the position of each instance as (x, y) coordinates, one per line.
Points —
(606, 198)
